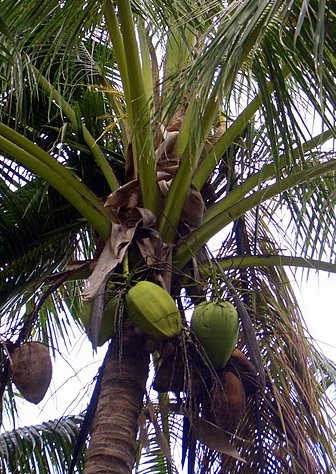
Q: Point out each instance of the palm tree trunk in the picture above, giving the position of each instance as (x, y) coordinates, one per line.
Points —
(115, 426)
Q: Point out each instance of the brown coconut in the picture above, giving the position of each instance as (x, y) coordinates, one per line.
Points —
(181, 369)
(245, 370)
(31, 370)
(225, 403)
(170, 376)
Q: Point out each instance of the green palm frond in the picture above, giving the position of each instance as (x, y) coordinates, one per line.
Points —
(42, 448)
(314, 229)
(34, 224)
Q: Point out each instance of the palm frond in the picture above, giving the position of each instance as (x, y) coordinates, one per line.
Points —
(42, 448)
(36, 229)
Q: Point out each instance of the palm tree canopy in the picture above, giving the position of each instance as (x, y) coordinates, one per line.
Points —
(206, 117)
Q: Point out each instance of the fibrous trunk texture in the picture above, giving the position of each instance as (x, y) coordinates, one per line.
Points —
(113, 436)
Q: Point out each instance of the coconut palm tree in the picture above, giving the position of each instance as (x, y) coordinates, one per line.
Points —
(131, 134)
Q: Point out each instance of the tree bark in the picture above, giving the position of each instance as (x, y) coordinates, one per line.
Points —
(113, 437)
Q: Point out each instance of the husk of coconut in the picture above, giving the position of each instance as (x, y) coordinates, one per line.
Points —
(225, 403)
(31, 370)
(245, 371)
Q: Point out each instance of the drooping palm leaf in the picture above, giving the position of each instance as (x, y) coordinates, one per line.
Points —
(42, 448)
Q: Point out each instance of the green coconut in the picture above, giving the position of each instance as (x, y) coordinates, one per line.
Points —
(153, 310)
(108, 322)
(216, 326)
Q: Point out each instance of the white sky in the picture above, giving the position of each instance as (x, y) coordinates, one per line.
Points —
(317, 301)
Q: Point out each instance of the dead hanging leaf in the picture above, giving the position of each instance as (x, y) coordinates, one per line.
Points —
(124, 206)
(214, 438)
(112, 254)
(139, 217)
(97, 315)
(163, 175)
(143, 430)
(166, 148)
(78, 265)
(160, 437)
(73, 271)
(193, 209)
(164, 186)
(128, 216)
(124, 198)
(169, 166)
(157, 255)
